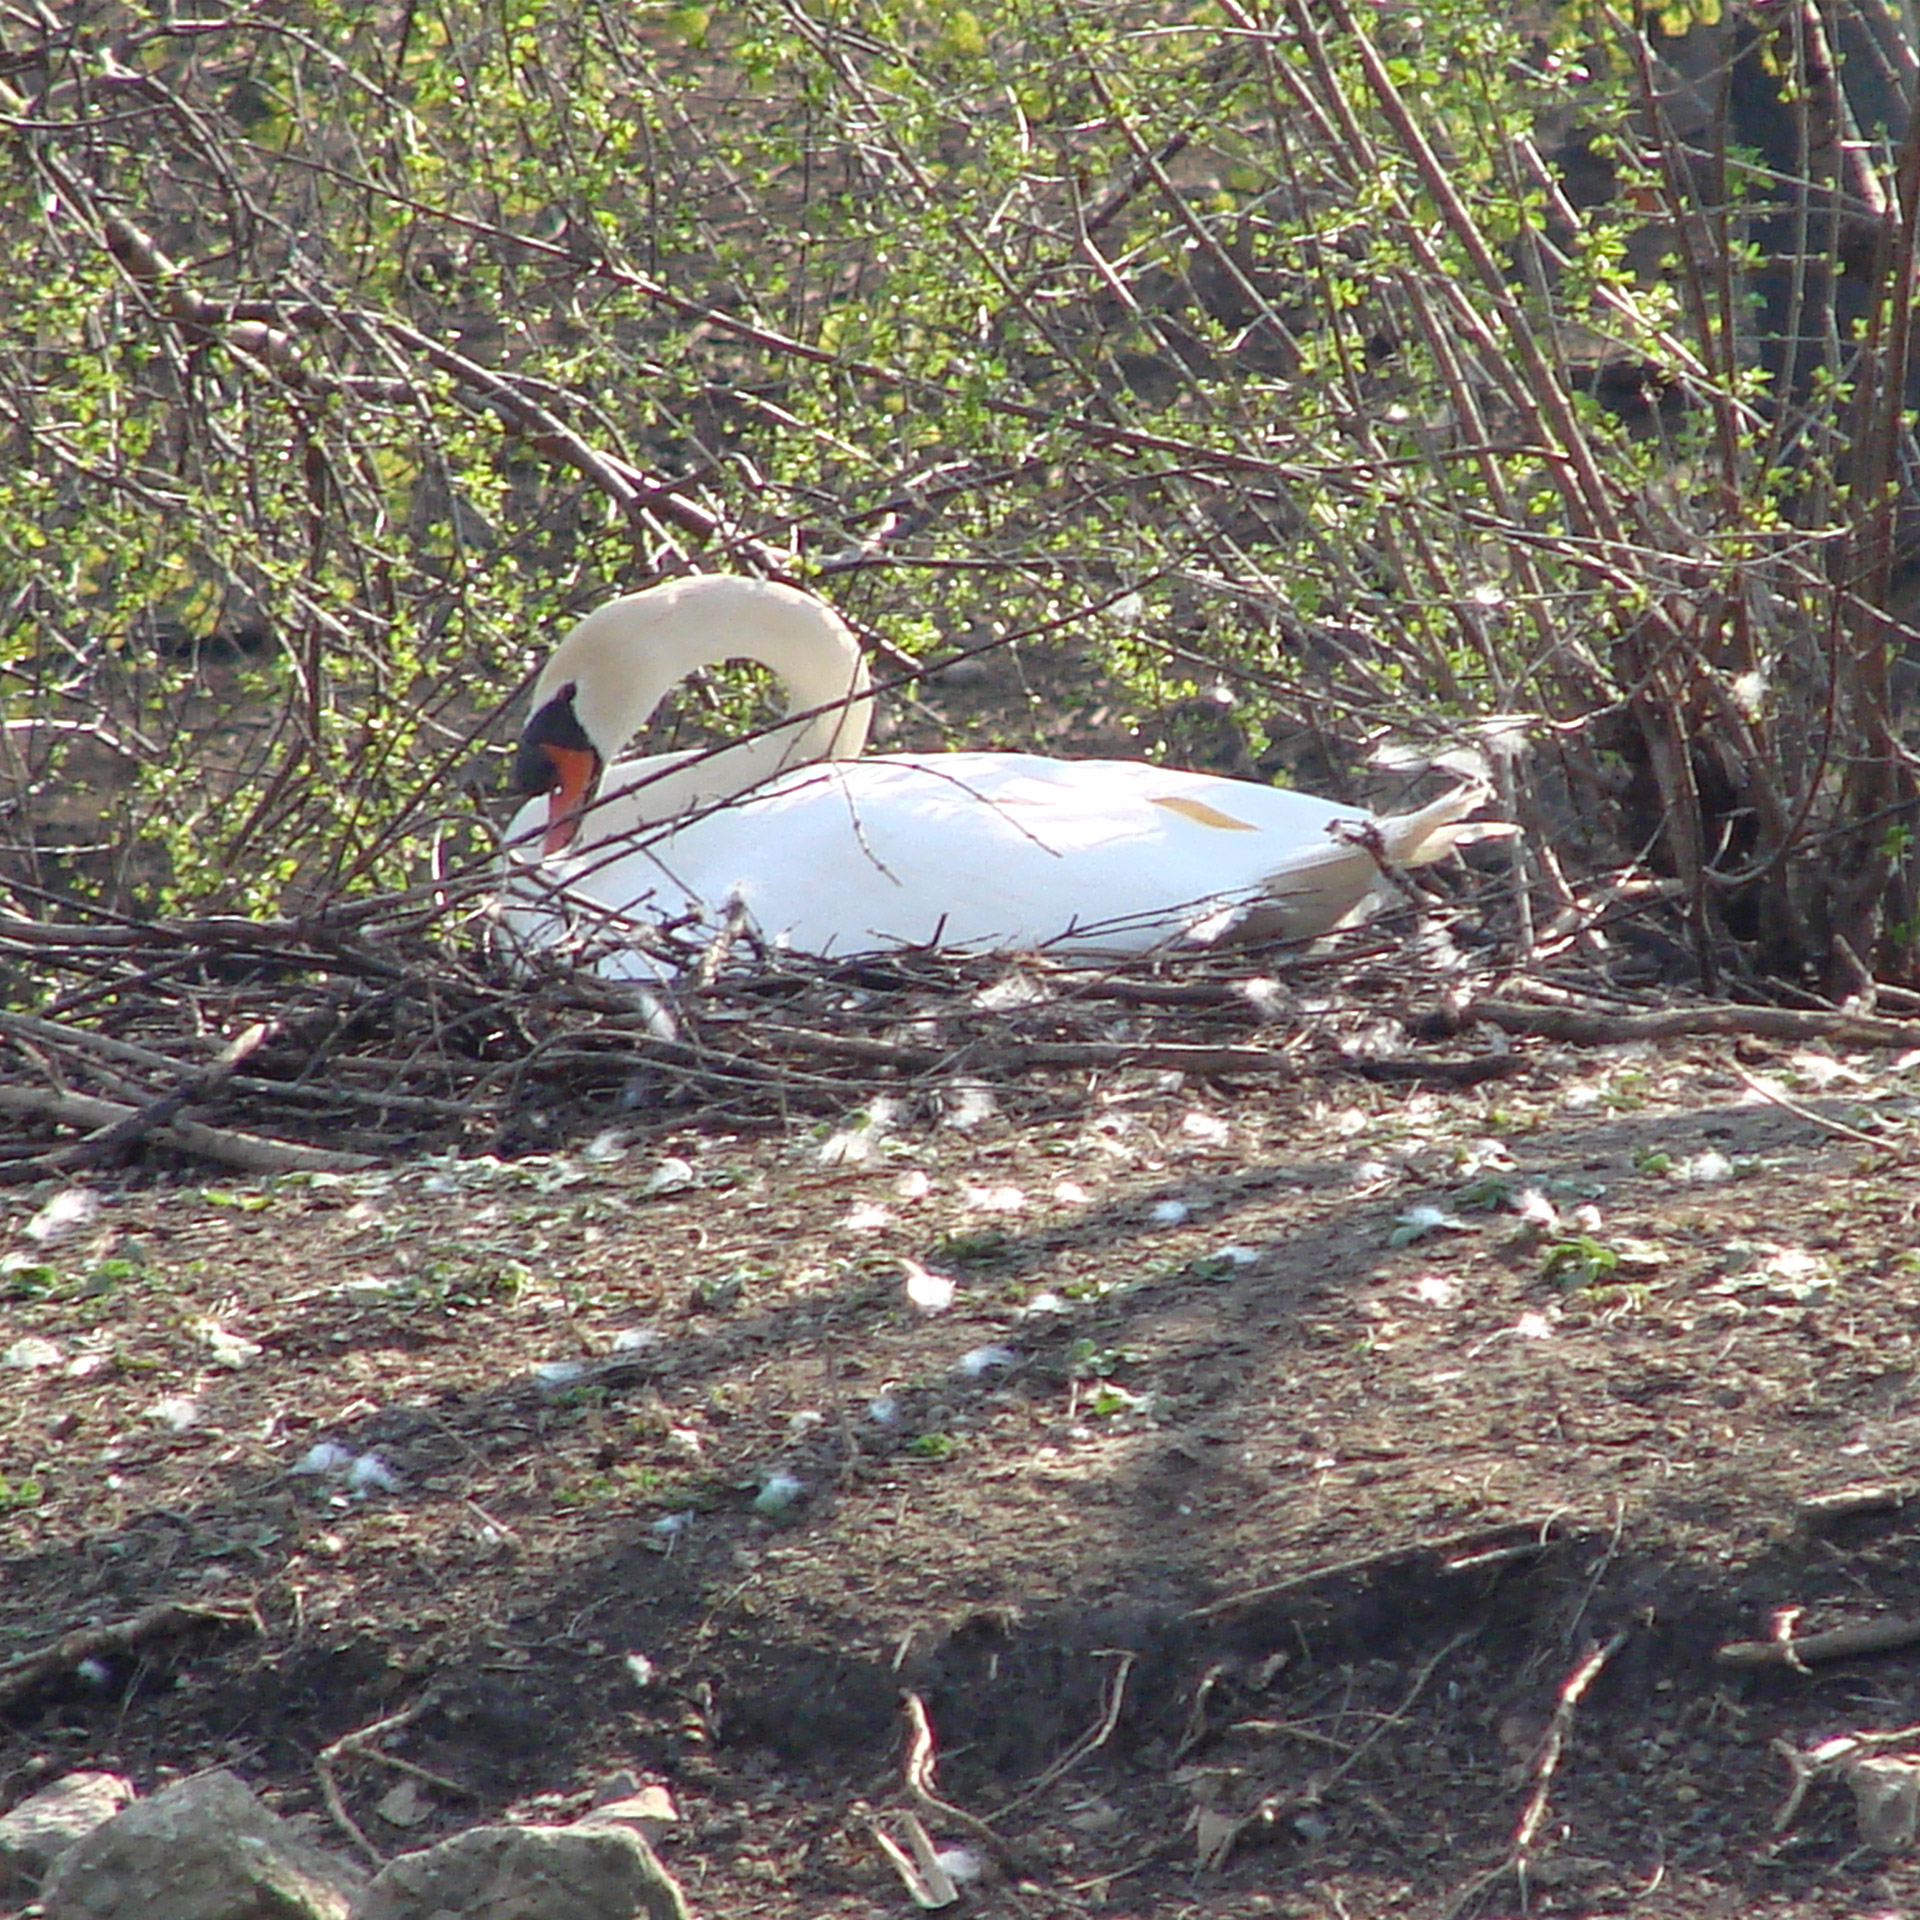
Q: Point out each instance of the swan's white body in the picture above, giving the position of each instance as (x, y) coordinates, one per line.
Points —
(827, 853)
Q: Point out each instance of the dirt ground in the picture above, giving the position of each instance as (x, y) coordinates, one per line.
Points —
(1238, 1480)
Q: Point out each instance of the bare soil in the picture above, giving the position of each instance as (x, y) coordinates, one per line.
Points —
(1280, 1458)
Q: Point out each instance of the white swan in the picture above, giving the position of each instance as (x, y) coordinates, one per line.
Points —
(828, 853)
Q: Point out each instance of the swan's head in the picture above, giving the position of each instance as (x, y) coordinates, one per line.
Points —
(616, 666)
(558, 759)
(595, 693)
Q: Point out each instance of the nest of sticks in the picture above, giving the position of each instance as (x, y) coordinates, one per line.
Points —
(380, 1028)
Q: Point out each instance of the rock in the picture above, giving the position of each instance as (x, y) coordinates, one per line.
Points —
(42, 1828)
(1886, 1801)
(203, 1850)
(583, 1872)
(648, 1810)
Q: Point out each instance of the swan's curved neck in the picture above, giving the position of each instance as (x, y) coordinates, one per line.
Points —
(624, 658)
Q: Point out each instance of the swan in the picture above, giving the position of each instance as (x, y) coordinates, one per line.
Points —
(826, 852)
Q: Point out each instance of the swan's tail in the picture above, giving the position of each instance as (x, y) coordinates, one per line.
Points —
(1432, 832)
(1321, 889)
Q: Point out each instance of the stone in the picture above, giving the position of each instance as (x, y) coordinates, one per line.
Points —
(43, 1827)
(204, 1849)
(648, 1810)
(1886, 1801)
(582, 1872)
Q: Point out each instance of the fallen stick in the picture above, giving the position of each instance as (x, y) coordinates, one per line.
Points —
(917, 1772)
(356, 1742)
(247, 1151)
(162, 1621)
(1582, 1027)
(1473, 1072)
(1840, 1643)
(109, 1142)
(1546, 1763)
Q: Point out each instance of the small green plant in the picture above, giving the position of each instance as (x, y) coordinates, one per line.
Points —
(1419, 1223)
(1629, 1090)
(1616, 1301)
(104, 1275)
(1211, 1266)
(37, 1280)
(462, 1282)
(18, 1495)
(239, 1202)
(1491, 1193)
(979, 1247)
(676, 1491)
(1089, 1360)
(721, 1292)
(594, 1491)
(1108, 1286)
(933, 1446)
(1579, 1262)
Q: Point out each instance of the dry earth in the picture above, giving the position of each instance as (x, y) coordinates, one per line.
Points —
(1234, 1502)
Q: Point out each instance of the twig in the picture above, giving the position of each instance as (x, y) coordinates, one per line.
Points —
(1546, 1763)
(1094, 1738)
(262, 336)
(930, 1884)
(247, 1151)
(1015, 1055)
(357, 1742)
(917, 1773)
(445, 1783)
(1460, 1554)
(1582, 1027)
(1841, 1643)
(1554, 1744)
(109, 1142)
(1415, 1688)
(164, 1620)
(83, 1040)
(1838, 1128)
(1195, 1730)
(1216, 1856)
(1838, 1755)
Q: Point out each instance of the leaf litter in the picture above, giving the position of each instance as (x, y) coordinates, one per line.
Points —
(1350, 1514)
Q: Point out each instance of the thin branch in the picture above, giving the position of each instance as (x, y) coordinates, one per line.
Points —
(247, 1151)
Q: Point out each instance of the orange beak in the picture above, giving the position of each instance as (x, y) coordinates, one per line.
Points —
(576, 774)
